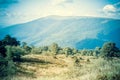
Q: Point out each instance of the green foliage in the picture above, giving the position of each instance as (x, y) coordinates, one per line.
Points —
(8, 40)
(2, 50)
(39, 50)
(7, 67)
(54, 48)
(68, 51)
(96, 51)
(36, 50)
(109, 49)
(61, 51)
(83, 52)
(15, 52)
(44, 48)
(89, 53)
(8, 53)
(74, 51)
(26, 47)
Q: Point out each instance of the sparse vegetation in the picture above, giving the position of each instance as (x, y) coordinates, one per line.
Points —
(23, 62)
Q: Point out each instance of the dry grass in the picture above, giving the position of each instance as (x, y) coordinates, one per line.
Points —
(97, 69)
(41, 67)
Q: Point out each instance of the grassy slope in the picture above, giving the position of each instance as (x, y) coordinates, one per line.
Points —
(42, 67)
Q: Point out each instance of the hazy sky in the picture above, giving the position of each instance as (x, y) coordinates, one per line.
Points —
(18, 11)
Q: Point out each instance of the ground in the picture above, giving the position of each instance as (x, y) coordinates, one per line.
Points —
(60, 67)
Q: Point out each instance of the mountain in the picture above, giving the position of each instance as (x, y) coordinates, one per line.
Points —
(78, 32)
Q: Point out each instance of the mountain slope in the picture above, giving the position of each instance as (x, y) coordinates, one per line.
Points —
(79, 32)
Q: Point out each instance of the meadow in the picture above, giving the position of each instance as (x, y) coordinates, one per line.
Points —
(56, 63)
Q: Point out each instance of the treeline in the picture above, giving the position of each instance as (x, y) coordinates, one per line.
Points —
(11, 51)
(108, 50)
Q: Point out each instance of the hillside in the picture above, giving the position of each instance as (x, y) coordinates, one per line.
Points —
(78, 32)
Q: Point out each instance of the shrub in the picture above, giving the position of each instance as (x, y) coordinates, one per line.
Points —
(74, 51)
(96, 51)
(109, 49)
(44, 48)
(89, 53)
(68, 51)
(36, 51)
(14, 52)
(26, 47)
(54, 48)
(7, 67)
(61, 51)
(83, 52)
(39, 50)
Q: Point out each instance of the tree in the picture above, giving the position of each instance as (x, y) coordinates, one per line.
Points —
(2, 50)
(109, 49)
(9, 52)
(8, 40)
(11, 41)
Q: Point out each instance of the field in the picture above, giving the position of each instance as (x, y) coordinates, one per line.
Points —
(60, 67)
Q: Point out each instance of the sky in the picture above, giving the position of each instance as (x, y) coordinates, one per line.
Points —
(21, 11)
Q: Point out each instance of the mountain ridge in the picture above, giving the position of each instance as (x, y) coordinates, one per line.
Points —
(61, 17)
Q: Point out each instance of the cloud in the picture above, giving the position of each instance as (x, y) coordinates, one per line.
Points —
(112, 10)
(34, 9)
(109, 8)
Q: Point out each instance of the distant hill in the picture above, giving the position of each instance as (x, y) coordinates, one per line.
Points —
(78, 32)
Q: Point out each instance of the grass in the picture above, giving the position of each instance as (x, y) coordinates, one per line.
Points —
(98, 69)
(42, 67)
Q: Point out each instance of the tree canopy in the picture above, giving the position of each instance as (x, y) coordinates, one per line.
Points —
(7, 40)
(11, 41)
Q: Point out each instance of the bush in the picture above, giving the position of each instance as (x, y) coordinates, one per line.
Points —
(109, 49)
(74, 51)
(14, 52)
(44, 48)
(36, 51)
(54, 48)
(83, 52)
(26, 47)
(61, 51)
(39, 50)
(7, 67)
(68, 51)
(89, 53)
